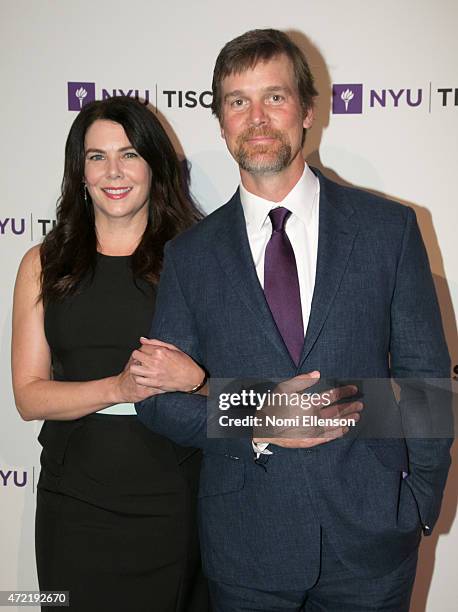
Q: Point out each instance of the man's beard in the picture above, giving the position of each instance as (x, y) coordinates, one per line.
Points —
(261, 159)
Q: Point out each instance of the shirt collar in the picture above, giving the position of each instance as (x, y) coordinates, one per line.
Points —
(301, 201)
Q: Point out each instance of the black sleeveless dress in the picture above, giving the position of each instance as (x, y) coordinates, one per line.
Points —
(115, 521)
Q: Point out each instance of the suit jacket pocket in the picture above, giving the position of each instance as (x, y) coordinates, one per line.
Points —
(392, 454)
(221, 474)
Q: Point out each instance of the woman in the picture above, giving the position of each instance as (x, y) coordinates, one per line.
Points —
(115, 502)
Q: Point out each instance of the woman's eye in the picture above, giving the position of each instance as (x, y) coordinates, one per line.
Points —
(95, 157)
(131, 154)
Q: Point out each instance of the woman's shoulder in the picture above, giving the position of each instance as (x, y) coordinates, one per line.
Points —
(30, 266)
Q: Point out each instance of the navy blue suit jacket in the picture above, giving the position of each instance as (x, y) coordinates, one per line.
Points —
(374, 314)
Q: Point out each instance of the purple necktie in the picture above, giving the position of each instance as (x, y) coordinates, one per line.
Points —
(281, 284)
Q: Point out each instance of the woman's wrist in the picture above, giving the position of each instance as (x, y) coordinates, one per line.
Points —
(114, 390)
(200, 380)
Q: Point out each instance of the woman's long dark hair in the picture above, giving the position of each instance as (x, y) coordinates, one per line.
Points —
(69, 251)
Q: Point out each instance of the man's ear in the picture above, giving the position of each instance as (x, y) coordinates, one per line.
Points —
(308, 119)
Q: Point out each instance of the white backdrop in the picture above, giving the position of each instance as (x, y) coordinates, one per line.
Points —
(398, 58)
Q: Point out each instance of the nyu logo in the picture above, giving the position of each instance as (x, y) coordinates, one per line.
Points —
(394, 97)
(130, 93)
(347, 99)
(10, 225)
(80, 94)
(13, 478)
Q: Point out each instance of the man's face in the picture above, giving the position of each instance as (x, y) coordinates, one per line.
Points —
(262, 117)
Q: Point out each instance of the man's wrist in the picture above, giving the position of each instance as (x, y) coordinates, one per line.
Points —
(260, 448)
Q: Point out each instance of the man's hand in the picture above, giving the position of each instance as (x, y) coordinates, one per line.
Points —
(323, 406)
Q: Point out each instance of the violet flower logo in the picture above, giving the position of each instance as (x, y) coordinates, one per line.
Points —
(347, 99)
(80, 94)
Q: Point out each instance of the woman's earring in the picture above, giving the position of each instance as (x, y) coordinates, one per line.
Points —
(85, 194)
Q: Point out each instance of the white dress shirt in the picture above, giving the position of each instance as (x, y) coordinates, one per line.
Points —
(302, 230)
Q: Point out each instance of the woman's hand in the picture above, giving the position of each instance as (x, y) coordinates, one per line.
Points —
(128, 389)
(164, 367)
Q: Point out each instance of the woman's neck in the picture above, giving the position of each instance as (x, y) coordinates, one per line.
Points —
(119, 238)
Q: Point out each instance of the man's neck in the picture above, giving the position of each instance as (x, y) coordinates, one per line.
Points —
(276, 186)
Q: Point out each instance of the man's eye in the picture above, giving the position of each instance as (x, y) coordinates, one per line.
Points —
(238, 102)
(276, 98)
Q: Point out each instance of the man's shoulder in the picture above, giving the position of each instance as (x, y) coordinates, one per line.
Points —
(204, 233)
(367, 206)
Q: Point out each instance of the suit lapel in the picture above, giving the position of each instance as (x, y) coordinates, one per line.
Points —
(337, 232)
(233, 252)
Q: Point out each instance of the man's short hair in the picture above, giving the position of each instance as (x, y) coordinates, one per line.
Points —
(247, 50)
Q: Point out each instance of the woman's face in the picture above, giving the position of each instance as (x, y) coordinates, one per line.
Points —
(117, 178)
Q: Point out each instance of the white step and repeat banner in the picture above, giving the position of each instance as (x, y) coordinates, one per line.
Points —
(397, 136)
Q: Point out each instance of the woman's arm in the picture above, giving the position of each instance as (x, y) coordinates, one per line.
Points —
(36, 395)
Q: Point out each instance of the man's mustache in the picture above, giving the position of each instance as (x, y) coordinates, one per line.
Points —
(259, 132)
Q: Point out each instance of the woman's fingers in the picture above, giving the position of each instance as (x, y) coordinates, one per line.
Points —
(154, 342)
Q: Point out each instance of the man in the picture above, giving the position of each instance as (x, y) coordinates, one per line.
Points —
(315, 524)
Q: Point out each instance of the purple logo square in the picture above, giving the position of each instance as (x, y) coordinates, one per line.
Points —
(347, 99)
(80, 94)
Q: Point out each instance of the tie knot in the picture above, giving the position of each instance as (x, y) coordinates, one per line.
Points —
(278, 218)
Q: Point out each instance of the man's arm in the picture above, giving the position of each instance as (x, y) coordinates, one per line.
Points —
(418, 351)
(179, 416)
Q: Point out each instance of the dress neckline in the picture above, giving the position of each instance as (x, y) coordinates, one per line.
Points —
(103, 256)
